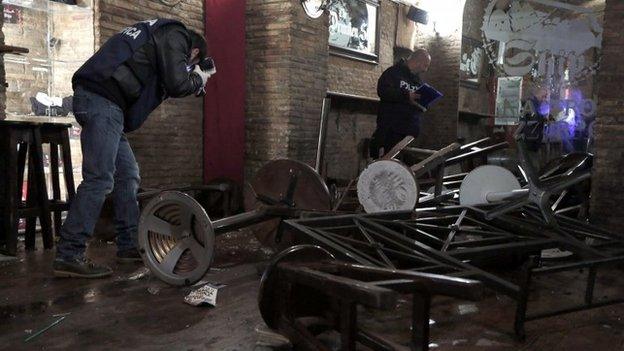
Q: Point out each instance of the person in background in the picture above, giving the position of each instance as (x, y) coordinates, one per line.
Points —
(536, 113)
(114, 92)
(399, 112)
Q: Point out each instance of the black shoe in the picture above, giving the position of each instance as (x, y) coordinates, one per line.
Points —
(80, 268)
(128, 256)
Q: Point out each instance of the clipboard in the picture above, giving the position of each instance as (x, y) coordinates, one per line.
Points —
(428, 95)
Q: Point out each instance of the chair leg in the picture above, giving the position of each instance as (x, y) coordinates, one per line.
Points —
(68, 171)
(44, 217)
(21, 164)
(31, 201)
(21, 168)
(12, 190)
(56, 187)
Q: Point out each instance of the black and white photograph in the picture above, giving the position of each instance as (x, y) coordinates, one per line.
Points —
(353, 27)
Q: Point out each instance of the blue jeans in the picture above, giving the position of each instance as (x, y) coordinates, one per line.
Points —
(108, 166)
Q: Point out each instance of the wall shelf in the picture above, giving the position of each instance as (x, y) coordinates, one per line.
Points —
(8, 49)
(333, 94)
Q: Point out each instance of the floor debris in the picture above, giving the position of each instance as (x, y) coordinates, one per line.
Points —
(56, 322)
(139, 273)
(4, 258)
(154, 290)
(207, 294)
(467, 309)
(61, 315)
(271, 340)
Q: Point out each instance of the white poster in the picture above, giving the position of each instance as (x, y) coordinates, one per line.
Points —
(508, 104)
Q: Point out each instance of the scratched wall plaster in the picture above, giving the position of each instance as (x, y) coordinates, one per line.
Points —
(551, 40)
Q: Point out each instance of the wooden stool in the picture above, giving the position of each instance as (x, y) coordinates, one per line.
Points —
(57, 134)
(17, 138)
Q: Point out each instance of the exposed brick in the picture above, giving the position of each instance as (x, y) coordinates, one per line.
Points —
(607, 188)
(439, 124)
(169, 146)
(286, 69)
(290, 69)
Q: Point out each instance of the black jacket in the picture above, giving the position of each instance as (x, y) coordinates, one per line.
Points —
(535, 121)
(396, 114)
(166, 54)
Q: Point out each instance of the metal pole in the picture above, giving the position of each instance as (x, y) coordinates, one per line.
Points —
(320, 148)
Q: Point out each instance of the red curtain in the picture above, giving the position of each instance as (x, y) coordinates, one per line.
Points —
(224, 112)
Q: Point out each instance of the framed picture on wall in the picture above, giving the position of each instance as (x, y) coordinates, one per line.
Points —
(472, 61)
(354, 29)
(508, 100)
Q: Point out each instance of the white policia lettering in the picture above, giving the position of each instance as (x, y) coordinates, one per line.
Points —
(407, 86)
(131, 32)
(134, 32)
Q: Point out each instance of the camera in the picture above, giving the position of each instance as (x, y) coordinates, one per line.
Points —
(207, 65)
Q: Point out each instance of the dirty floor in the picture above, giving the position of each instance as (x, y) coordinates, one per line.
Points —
(133, 310)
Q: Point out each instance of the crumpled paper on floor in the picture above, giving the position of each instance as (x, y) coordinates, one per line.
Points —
(206, 294)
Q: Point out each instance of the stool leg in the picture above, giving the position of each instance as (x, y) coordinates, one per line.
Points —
(56, 188)
(68, 171)
(31, 201)
(21, 168)
(42, 192)
(21, 165)
(11, 188)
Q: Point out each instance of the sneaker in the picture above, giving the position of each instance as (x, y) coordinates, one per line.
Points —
(80, 268)
(128, 256)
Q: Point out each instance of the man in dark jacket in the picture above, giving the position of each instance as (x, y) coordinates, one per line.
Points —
(399, 111)
(536, 111)
(114, 92)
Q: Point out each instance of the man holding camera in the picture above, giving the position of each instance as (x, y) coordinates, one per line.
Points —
(114, 92)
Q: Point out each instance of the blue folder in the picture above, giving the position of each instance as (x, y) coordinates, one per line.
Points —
(428, 95)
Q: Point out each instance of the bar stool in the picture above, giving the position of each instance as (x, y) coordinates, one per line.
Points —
(16, 139)
(57, 135)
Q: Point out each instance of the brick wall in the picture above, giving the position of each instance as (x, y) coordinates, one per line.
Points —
(360, 78)
(289, 71)
(607, 185)
(267, 104)
(169, 145)
(286, 81)
(43, 69)
(350, 121)
(2, 72)
(439, 124)
(308, 86)
(26, 75)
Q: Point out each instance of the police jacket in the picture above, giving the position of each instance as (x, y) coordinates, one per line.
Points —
(535, 121)
(141, 66)
(396, 113)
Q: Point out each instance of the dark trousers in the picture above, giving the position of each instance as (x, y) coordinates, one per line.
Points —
(383, 140)
(108, 166)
